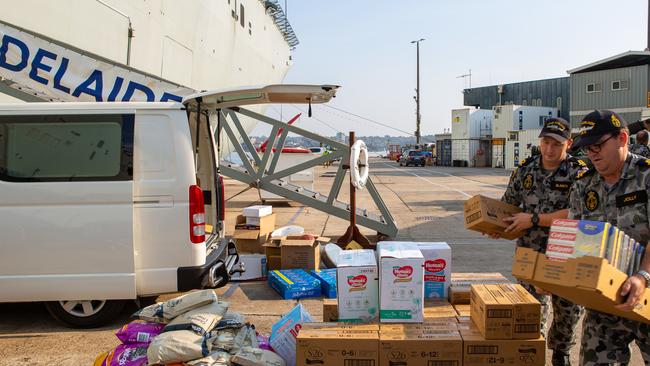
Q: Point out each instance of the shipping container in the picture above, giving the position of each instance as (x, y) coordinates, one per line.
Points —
(519, 146)
(518, 118)
(443, 149)
(470, 123)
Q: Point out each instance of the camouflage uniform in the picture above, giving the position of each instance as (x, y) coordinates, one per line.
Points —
(606, 337)
(536, 190)
(640, 149)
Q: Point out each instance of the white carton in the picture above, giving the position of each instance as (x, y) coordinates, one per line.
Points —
(437, 269)
(401, 282)
(254, 265)
(257, 211)
(357, 285)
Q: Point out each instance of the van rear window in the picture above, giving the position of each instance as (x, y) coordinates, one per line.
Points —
(66, 148)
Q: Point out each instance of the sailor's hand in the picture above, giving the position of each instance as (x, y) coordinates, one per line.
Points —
(633, 289)
(519, 222)
(493, 235)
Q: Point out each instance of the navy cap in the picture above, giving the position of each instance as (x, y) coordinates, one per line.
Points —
(597, 124)
(557, 128)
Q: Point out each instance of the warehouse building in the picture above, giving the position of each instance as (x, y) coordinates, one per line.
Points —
(619, 83)
(540, 93)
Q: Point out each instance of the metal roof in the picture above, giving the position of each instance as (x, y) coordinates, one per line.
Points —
(625, 59)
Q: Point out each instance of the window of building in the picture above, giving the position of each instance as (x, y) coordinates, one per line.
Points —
(66, 148)
(594, 88)
(620, 85)
(524, 102)
(539, 102)
(242, 21)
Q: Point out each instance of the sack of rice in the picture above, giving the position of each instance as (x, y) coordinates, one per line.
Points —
(200, 320)
(177, 346)
(249, 356)
(219, 358)
(164, 312)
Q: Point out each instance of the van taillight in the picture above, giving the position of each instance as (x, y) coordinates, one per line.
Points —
(222, 200)
(197, 215)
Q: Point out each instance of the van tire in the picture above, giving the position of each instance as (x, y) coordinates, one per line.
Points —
(106, 313)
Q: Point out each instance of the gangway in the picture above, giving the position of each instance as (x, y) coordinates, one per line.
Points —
(261, 173)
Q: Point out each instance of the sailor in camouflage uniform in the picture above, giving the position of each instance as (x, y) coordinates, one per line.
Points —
(615, 190)
(641, 147)
(541, 187)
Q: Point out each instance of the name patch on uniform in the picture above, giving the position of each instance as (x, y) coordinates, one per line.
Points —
(591, 200)
(561, 186)
(631, 198)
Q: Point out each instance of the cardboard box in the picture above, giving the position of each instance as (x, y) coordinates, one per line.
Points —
(294, 283)
(273, 254)
(254, 266)
(285, 331)
(401, 282)
(330, 310)
(463, 310)
(330, 347)
(437, 269)
(461, 283)
(300, 253)
(357, 285)
(477, 351)
(485, 215)
(249, 238)
(588, 281)
(505, 312)
(421, 348)
(327, 278)
(438, 310)
(257, 211)
(418, 327)
(341, 326)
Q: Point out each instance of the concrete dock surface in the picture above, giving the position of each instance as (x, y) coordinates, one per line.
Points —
(426, 202)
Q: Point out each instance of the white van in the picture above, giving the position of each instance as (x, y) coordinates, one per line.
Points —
(106, 202)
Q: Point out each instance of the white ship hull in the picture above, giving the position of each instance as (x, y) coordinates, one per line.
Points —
(201, 45)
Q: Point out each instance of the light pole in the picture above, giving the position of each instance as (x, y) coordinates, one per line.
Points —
(417, 93)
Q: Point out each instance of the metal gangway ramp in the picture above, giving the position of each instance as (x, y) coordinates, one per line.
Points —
(260, 170)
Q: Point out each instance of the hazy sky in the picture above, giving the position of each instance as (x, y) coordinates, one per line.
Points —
(364, 46)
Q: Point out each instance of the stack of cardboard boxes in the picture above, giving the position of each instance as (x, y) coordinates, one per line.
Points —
(252, 228)
(506, 327)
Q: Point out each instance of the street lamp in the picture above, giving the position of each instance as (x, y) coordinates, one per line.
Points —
(417, 93)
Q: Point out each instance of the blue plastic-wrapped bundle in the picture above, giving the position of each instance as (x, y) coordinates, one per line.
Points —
(327, 278)
(294, 283)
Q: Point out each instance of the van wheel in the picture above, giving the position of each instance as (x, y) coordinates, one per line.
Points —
(85, 313)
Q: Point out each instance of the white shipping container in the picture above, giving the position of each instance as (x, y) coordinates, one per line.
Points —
(514, 117)
(518, 146)
(401, 282)
(464, 150)
(470, 123)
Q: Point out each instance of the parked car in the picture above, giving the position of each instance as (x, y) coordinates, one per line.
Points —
(413, 157)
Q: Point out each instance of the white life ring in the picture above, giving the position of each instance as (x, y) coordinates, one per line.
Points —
(359, 164)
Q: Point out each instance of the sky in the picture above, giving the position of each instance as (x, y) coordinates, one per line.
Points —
(365, 47)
